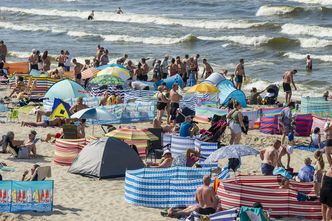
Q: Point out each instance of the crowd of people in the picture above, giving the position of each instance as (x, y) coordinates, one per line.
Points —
(168, 108)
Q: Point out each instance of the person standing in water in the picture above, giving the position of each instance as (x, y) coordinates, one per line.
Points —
(239, 74)
(119, 11)
(288, 78)
(309, 63)
(92, 15)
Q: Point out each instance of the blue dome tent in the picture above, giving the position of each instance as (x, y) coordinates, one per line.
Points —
(229, 92)
(171, 80)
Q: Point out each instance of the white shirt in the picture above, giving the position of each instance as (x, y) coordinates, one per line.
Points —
(68, 61)
(138, 85)
(164, 66)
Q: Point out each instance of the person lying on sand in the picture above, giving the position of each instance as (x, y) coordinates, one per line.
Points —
(284, 184)
(57, 122)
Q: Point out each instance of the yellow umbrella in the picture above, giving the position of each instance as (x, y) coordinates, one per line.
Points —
(115, 71)
(132, 134)
(203, 88)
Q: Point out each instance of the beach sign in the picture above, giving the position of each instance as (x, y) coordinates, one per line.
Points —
(5, 196)
(31, 196)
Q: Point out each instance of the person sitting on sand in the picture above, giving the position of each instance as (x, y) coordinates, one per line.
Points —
(316, 140)
(270, 157)
(7, 140)
(29, 143)
(284, 184)
(306, 173)
(165, 161)
(186, 160)
(255, 97)
(92, 15)
(57, 122)
(54, 74)
(78, 106)
(19, 87)
(32, 176)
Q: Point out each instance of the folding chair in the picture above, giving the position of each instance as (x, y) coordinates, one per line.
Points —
(13, 115)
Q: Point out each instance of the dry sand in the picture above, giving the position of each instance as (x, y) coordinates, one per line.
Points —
(81, 198)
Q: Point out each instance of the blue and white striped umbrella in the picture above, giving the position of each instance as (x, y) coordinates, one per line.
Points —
(232, 151)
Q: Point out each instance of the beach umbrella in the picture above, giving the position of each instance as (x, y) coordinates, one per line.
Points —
(123, 73)
(89, 73)
(203, 88)
(110, 65)
(132, 134)
(66, 89)
(232, 151)
(107, 80)
(97, 114)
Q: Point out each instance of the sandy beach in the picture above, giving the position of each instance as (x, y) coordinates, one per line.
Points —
(82, 198)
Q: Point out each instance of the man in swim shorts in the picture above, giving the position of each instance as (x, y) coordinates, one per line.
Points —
(175, 98)
(288, 78)
(240, 75)
(270, 157)
(91, 16)
(206, 198)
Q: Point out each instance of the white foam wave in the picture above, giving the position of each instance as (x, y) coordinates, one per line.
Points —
(313, 30)
(298, 56)
(81, 34)
(30, 27)
(241, 39)
(267, 10)
(149, 40)
(320, 2)
(314, 42)
(141, 18)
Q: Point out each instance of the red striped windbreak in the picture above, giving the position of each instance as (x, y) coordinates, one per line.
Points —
(246, 190)
(66, 150)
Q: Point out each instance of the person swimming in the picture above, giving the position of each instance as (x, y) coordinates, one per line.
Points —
(91, 16)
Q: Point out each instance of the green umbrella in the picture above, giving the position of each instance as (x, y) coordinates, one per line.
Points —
(107, 80)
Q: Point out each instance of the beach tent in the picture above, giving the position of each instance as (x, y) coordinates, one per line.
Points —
(105, 158)
(228, 92)
(66, 89)
(214, 79)
(60, 109)
(171, 80)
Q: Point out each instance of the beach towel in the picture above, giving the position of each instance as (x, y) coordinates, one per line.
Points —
(252, 214)
(305, 148)
(226, 215)
(283, 172)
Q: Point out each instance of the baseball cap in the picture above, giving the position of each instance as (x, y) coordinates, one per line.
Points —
(33, 132)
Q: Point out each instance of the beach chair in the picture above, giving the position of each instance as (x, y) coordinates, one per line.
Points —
(13, 115)
(252, 214)
(41, 173)
(227, 215)
(69, 131)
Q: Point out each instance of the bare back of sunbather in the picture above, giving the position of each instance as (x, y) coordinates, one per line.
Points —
(205, 196)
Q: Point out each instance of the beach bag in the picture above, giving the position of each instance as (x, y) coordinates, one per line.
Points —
(23, 153)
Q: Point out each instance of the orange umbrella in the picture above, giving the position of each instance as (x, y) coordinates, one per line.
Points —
(89, 73)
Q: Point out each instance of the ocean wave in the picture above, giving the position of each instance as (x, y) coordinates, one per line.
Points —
(142, 18)
(320, 2)
(313, 30)
(241, 39)
(267, 10)
(151, 40)
(17, 27)
(314, 43)
(298, 56)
